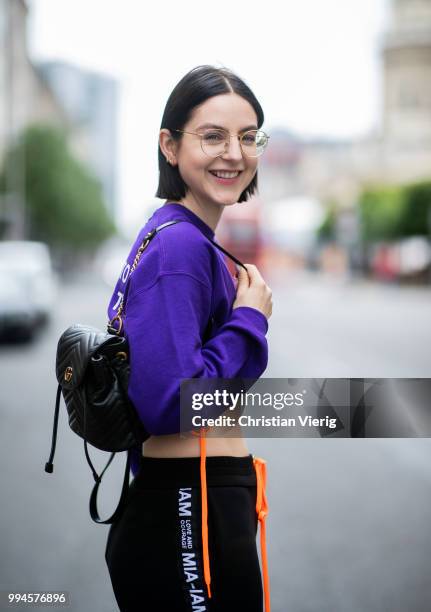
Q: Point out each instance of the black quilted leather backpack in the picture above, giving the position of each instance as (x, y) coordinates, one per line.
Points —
(92, 369)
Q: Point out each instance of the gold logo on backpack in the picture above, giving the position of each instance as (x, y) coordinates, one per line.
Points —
(68, 372)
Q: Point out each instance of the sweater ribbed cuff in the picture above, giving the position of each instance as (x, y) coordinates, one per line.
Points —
(255, 316)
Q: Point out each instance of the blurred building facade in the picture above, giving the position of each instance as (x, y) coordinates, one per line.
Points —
(398, 151)
(91, 102)
(407, 91)
(24, 99)
(24, 96)
(83, 104)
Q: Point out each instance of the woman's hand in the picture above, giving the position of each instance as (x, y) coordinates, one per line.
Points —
(253, 291)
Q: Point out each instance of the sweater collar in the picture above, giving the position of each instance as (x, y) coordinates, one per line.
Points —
(173, 210)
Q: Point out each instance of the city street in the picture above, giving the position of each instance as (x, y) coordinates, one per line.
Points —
(349, 519)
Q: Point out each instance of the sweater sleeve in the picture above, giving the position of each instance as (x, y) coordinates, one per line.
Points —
(165, 324)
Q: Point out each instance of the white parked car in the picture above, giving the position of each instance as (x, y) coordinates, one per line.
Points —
(28, 287)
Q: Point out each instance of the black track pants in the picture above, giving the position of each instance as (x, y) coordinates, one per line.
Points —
(154, 551)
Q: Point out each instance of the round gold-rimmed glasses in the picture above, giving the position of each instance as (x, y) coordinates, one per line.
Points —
(215, 141)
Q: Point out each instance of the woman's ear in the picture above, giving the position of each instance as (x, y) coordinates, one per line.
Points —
(167, 146)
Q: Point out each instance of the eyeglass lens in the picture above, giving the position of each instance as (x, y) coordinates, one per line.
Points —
(215, 142)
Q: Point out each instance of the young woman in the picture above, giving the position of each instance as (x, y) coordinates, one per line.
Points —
(187, 538)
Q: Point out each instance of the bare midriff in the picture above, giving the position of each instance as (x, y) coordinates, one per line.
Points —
(219, 441)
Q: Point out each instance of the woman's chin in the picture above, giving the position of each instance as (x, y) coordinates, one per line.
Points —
(227, 198)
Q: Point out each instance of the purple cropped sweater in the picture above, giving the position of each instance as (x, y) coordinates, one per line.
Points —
(180, 282)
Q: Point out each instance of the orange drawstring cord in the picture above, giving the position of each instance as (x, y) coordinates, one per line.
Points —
(207, 573)
(262, 511)
(204, 512)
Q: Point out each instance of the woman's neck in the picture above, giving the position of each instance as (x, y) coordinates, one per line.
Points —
(209, 213)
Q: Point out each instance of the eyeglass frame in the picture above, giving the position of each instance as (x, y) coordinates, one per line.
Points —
(225, 142)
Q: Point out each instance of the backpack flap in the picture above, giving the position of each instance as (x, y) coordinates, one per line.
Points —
(76, 347)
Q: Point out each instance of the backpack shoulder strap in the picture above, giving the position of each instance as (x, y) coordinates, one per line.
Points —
(123, 497)
(216, 244)
(235, 259)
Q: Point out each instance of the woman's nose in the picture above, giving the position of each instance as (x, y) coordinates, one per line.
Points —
(233, 148)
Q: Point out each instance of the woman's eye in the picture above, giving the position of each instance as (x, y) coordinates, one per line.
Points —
(249, 138)
(214, 137)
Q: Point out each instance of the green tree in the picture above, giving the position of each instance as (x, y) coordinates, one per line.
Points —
(416, 215)
(64, 200)
(394, 212)
(381, 209)
(326, 230)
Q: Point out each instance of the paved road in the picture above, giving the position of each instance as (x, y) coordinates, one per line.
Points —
(349, 525)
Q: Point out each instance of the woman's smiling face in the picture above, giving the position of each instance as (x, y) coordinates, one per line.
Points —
(234, 114)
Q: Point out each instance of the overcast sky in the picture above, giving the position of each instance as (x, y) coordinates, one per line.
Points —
(313, 64)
